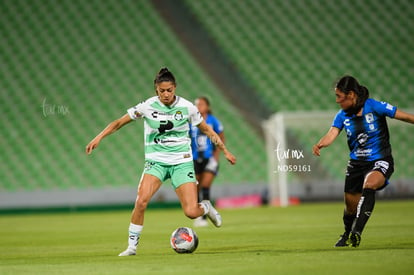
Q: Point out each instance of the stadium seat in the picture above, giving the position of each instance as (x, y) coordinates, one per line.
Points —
(70, 68)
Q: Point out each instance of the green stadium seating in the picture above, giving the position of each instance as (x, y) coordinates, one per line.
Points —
(293, 51)
(71, 67)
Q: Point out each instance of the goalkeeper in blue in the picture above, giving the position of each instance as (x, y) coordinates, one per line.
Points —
(371, 163)
(167, 152)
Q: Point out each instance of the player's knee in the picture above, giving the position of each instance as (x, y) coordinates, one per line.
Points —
(374, 185)
(192, 212)
(141, 204)
(374, 180)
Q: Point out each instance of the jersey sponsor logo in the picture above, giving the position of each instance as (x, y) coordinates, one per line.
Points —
(148, 165)
(347, 122)
(389, 106)
(362, 138)
(156, 114)
(381, 165)
(361, 201)
(369, 118)
(165, 116)
(165, 125)
(363, 152)
(163, 141)
(137, 114)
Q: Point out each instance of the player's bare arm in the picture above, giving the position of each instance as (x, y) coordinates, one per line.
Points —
(326, 140)
(111, 128)
(403, 116)
(216, 152)
(214, 137)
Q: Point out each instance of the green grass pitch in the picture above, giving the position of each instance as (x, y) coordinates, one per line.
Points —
(266, 240)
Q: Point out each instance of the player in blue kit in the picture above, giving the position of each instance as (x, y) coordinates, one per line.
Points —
(371, 163)
(205, 154)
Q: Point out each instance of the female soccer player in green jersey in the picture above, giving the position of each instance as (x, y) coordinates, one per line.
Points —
(167, 152)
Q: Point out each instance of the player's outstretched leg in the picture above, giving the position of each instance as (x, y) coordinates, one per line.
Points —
(202, 221)
(212, 213)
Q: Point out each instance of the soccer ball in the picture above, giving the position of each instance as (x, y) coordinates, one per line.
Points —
(184, 240)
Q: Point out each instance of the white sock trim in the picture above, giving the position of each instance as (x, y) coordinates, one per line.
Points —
(135, 228)
(205, 207)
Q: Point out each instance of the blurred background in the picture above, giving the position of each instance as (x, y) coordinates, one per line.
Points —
(69, 67)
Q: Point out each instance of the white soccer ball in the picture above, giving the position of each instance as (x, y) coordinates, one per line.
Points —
(184, 240)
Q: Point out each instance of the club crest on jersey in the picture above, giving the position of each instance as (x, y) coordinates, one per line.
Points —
(178, 115)
(369, 118)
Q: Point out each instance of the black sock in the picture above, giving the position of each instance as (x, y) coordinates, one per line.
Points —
(199, 198)
(348, 221)
(365, 208)
(206, 193)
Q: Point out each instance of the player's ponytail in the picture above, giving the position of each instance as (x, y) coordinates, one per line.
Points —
(363, 93)
(164, 75)
(349, 83)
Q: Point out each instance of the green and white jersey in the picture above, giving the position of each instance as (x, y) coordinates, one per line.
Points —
(166, 129)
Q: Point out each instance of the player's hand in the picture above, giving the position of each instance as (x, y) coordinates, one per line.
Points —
(230, 157)
(92, 145)
(316, 149)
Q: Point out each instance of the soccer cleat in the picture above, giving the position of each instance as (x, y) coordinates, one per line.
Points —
(343, 240)
(128, 252)
(212, 214)
(355, 239)
(200, 222)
